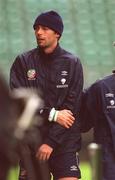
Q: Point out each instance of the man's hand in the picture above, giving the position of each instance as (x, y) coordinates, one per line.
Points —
(44, 152)
(65, 118)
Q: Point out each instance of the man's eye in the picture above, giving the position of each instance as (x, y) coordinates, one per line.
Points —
(45, 28)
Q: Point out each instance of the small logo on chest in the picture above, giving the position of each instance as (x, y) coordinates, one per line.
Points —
(63, 84)
(31, 74)
(63, 80)
(111, 104)
(64, 73)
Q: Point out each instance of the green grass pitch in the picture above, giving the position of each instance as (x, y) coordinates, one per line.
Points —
(84, 166)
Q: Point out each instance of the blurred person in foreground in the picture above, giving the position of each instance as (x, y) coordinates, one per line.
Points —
(13, 112)
(59, 76)
(98, 112)
(7, 106)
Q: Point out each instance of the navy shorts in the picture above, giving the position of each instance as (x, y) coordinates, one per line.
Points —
(65, 165)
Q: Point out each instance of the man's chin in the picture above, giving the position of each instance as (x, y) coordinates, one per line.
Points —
(41, 45)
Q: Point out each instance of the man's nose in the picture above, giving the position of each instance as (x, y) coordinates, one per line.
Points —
(39, 31)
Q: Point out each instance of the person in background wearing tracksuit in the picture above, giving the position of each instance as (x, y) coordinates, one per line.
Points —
(59, 76)
(98, 111)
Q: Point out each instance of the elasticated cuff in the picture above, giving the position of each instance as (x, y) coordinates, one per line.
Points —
(51, 143)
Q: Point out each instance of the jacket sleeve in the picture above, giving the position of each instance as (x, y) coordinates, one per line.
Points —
(85, 112)
(17, 74)
(90, 107)
(57, 133)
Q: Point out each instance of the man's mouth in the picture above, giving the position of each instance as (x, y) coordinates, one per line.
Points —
(40, 39)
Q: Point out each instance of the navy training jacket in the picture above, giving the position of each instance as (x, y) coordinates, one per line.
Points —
(59, 76)
(98, 111)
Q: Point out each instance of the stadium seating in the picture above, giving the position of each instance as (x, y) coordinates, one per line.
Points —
(89, 31)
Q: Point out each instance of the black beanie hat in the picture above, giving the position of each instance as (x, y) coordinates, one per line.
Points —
(50, 19)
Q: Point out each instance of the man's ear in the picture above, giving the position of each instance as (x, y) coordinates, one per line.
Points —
(58, 36)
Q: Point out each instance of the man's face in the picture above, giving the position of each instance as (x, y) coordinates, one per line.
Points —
(46, 38)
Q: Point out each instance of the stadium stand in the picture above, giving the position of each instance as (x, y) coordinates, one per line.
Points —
(89, 31)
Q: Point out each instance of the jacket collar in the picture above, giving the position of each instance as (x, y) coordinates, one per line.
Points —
(50, 56)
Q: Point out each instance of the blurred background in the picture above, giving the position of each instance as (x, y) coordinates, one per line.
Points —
(89, 32)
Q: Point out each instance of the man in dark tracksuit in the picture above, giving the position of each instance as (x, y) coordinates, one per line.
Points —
(98, 111)
(58, 74)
